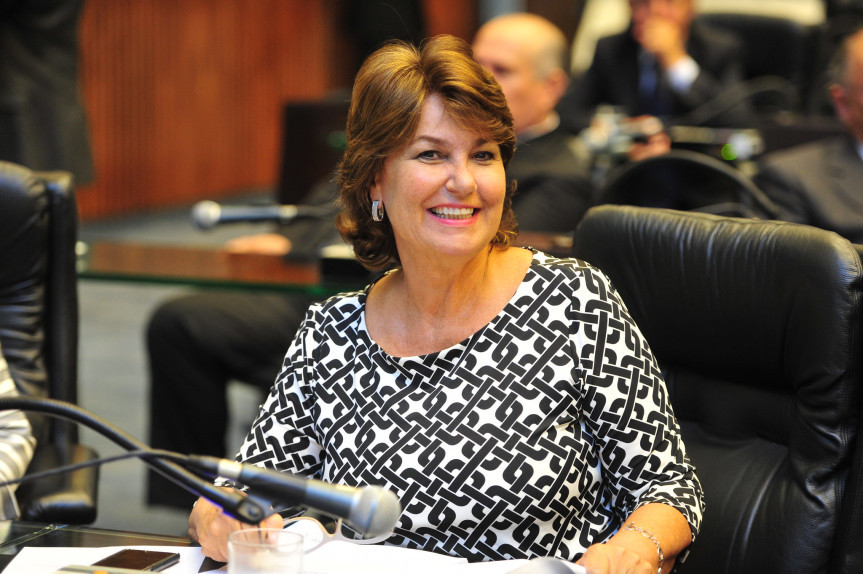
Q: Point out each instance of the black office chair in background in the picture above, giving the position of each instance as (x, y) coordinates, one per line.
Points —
(687, 181)
(756, 326)
(781, 57)
(39, 332)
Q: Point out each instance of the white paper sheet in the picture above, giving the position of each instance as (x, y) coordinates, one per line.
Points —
(332, 558)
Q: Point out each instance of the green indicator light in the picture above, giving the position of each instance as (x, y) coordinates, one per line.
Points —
(728, 152)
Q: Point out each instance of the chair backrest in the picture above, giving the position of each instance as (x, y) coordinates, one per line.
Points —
(782, 49)
(313, 141)
(38, 286)
(756, 325)
(687, 181)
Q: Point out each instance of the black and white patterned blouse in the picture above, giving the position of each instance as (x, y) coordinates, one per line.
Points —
(536, 436)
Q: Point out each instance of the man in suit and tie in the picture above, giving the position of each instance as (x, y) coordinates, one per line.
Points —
(666, 64)
(821, 183)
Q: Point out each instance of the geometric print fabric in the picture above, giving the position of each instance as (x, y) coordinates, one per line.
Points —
(536, 436)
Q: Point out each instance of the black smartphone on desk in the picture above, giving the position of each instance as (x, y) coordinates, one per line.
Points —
(134, 559)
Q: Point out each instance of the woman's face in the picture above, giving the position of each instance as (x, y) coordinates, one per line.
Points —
(443, 191)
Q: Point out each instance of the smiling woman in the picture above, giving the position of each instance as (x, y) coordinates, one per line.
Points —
(389, 97)
(490, 387)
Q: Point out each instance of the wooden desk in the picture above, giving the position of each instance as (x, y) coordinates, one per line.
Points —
(216, 267)
(16, 535)
(203, 267)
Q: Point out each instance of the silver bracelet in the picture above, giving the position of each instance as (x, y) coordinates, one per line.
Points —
(649, 535)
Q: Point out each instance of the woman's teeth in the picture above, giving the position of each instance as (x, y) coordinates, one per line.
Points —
(453, 212)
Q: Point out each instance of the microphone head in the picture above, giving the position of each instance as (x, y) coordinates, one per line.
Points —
(206, 214)
(376, 512)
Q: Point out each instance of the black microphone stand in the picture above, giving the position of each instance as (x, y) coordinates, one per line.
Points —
(250, 510)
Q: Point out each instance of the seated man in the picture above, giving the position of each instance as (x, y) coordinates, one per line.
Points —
(665, 65)
(527, 55)
(16, 445)
(819, 183)
(198, 343)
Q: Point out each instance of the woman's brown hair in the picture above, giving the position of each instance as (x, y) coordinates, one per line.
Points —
(387, 101)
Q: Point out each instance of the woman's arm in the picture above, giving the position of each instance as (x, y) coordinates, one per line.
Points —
(652, 479)
(636, 546)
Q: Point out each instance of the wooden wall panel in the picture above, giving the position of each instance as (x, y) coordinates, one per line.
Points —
(184, 98)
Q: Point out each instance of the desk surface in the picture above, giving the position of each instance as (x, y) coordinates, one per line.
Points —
(215, 267)
(204, 267)
(16, 535)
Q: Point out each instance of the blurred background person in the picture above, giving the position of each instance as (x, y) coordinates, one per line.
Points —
(528, 55)
(43, 125)
(665, 65)
(821, 183)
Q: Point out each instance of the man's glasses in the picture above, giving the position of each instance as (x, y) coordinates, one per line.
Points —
(316, 535)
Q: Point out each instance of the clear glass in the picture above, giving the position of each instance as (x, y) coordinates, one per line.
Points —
(315, 535)
(265, 551)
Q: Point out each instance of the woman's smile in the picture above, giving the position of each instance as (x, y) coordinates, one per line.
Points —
(453, 213)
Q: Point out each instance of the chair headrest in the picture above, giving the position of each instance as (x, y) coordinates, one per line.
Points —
(751, 298)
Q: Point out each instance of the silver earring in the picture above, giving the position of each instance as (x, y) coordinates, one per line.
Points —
(377, 210)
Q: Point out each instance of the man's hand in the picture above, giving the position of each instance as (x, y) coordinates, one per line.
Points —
(665, 39)
(261, 243)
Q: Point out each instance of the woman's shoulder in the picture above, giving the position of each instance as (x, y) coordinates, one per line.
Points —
(337, 306)
(570, 266)
(576, 277)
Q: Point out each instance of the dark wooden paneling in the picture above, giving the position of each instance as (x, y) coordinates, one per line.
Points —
(185, 98)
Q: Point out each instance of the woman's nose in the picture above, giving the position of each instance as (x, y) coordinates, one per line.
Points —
(462, 180)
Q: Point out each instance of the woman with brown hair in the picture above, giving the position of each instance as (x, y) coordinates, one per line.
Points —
(505, 396)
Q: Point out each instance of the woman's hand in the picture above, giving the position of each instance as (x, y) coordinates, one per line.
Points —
(211, 528)
(614, 559)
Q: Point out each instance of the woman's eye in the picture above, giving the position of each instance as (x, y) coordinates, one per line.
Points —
(429, 154)
(485, 156)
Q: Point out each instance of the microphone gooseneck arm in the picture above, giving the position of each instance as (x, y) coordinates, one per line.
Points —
(371, 510)
(245, 509)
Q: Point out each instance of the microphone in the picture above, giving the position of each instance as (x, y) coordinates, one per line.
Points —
(248, 509)
(370, 510)
(207, 214)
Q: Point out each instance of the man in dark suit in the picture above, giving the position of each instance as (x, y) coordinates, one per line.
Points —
(821, 183)
(42, 119)
(665, 65)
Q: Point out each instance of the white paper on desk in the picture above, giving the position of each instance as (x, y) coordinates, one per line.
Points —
(340, 557)
(332, 558)
(46, 560)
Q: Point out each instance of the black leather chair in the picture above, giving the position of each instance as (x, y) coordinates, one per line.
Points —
(780, 57)
(688, 181)
(756, 325)
(39, 332)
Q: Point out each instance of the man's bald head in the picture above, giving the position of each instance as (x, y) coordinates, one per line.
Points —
(528, 56)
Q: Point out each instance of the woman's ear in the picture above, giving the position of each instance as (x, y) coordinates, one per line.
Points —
(375, 189)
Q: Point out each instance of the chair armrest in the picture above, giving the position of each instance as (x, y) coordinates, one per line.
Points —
(68, 498)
